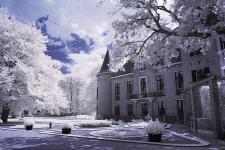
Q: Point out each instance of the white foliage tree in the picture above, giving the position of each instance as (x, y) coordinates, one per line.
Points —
(28, 78)
(90, 97)
(74, 91)
(152, 30)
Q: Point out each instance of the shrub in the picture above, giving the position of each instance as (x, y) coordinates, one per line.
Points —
(28, 122)
(154, 127)
(95, 123)
(67, 125)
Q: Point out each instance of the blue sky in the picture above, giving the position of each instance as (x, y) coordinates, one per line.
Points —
(79, 31)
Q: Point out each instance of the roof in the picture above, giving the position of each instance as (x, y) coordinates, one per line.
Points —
(128, 68)
(105, 65)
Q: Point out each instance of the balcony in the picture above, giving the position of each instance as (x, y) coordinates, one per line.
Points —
(146, 95)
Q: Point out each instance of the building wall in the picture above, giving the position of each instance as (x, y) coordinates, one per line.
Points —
(123, 93)
(170, 97)
(106, 85)
(211, 60)
(104, 95)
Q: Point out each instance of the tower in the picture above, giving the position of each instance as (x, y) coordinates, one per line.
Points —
(104, 107)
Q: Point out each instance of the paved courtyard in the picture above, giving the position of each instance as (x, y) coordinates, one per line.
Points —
(41, 139)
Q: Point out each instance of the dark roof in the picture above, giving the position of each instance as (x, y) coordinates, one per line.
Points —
(105, 65)
(128, 68)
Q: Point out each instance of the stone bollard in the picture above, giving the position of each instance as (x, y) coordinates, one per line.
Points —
(50, 124)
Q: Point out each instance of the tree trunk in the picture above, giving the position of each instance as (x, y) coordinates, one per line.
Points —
(5, 114)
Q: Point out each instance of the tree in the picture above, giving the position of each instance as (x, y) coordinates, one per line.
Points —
(152, 31)
(90, 98)
(73, 89)
(28, 77)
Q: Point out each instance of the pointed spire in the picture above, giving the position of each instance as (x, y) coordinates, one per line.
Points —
(105, 65)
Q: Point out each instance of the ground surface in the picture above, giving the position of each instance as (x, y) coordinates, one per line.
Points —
(38, 140)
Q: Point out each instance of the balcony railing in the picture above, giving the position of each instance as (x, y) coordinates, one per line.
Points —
(145, 95)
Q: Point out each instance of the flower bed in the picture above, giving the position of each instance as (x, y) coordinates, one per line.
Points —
(119, 133)
(95, 123)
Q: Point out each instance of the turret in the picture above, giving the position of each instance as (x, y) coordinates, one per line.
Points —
(104, 105)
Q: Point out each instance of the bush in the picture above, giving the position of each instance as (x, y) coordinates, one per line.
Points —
(67, 125)
(154, 127)
(28, 122)
(95, 123)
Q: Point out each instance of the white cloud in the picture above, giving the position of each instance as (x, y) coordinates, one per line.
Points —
(82, 17)
(87, 65)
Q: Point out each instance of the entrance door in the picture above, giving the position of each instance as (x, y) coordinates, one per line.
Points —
(180, 110)
(161, 111)
(144, 109)
(117, 111)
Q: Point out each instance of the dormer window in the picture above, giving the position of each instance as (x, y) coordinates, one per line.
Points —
(143, 67)
(196, 53)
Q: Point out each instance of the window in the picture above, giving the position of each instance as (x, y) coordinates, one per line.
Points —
(117, 110)
(179, 104)
(143, 67)
(130, 109)
(179, 82)
(198, 75)
(143, 87)
(161, 108)
(97, 92)
(117, 92)
(222, 44)
(180, 112)
(160, 85)
(196, 53)
(178, 58)
(129, 89)
(144, 109)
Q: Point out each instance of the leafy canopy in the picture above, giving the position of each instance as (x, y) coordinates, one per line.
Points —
(153, 30)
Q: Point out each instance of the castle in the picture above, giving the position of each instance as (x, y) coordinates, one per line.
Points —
(163, 92)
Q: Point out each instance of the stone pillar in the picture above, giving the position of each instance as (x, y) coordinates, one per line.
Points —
(215, 109)
(196, 106)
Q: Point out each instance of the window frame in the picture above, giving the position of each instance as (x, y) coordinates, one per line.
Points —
(179, 81)
(144, 110)
(160, 86)
(130, 109)
(117, 91)
(117, 110)
(200, 74)
(143, 94)
(129, 88)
